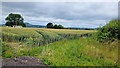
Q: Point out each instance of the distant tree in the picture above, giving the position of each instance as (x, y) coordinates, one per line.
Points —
(56, 26)
(49, 25)
(89, 29)
(14, 19)
(60, 27)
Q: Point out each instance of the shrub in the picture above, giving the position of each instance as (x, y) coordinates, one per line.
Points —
(109, 32)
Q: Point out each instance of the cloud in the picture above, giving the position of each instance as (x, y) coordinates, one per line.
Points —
(69, 14)
(60, 0)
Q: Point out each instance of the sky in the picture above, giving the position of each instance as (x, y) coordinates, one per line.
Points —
(68, 14)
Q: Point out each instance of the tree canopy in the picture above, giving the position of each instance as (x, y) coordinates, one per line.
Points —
(58, 27)
(14, 19)
(50, 25)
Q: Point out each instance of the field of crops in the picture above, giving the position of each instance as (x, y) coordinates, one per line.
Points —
(41, 36)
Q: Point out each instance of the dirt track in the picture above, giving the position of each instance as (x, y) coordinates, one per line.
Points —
(23, 61)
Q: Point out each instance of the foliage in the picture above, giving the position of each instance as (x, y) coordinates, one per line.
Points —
(79, 52)
(6, 52)
(49, 25)
(14, 19)
(109, 32)
(89, 29)
(58, 27)
(0, 43)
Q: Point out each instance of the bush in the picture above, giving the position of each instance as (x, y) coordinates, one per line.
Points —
(109, 32)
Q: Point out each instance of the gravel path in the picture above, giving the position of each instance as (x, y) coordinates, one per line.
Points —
(23, 61)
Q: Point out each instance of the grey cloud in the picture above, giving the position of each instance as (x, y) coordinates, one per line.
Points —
(70, 11)
(23, 5)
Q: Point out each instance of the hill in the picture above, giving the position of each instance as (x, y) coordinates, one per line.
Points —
(36, 26)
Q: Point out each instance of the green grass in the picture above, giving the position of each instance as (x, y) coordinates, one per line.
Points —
(79, 52)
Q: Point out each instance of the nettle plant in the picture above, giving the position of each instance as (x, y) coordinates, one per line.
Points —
(109, 32)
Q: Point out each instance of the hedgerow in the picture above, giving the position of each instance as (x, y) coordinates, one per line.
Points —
(109, 32)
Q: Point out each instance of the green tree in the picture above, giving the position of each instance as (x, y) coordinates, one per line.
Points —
(56, 26)
(14, 19)
(49, 25)
(60, 27)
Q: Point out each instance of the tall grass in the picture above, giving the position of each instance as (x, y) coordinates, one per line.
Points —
(78, 52)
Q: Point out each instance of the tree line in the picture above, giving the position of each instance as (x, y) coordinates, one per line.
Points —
(17, 19)
(50, 25)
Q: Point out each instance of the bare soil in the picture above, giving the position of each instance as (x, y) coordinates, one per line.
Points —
(23, 61)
